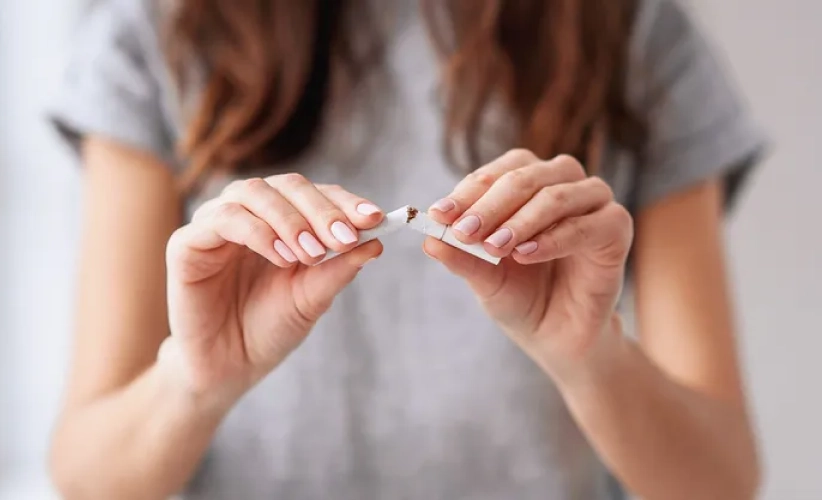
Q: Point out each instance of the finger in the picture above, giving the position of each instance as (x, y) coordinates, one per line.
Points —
(461, 263)
(511, 191)
(322, 283)
(361, 212)
(608, 231)
(329, 223)
(548, 206)
(205, 209)
(475, 184)
(294, 230)
(228, 223)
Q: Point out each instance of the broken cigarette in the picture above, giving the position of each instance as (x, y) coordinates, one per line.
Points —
(426, 225)
(393, 222)
(409, 216)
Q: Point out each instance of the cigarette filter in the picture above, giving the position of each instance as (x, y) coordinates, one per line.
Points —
(393, 222)
(426, 225)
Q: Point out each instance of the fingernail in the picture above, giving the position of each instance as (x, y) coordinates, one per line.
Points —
(500, 238)
(284, 251)
(367, 209)
(310, 244)
(468, 225)
(527, 247)
(343, 233)
(444, 205)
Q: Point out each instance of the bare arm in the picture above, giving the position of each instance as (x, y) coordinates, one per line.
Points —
(128, 429)
(136, 424)
(669, 416)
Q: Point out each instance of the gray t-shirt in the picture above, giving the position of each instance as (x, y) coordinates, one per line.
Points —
(405, 389)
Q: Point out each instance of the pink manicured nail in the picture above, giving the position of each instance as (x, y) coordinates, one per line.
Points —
(444, 205)
(310, 244)
(527, 247)
(343, 233)
(285, 252)
(468, 225)
(500, 238)
(367, 209)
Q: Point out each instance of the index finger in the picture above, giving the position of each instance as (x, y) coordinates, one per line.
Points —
(361, 212)
(477, 183)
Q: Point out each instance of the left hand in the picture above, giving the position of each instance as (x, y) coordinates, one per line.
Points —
(564, 240)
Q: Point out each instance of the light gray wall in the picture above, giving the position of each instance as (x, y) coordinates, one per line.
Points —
(774, 49)
(776, 239)
(39, 193)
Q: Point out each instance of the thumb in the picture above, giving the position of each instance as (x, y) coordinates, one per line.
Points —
(321, 283)
(483, 277)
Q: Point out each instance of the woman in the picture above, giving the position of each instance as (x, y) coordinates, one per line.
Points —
(209, 359)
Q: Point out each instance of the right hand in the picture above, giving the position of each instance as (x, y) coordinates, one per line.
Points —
(239, 300)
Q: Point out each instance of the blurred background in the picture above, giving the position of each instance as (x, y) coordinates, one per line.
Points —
(775, 237)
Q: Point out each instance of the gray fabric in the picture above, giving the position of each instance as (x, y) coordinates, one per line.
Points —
(405, 389)
(698, 126)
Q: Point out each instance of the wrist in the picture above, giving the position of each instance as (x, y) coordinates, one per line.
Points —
(179, 383)
(607, 355)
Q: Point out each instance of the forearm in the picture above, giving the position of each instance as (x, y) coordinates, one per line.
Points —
(663, 440)
(142, 442)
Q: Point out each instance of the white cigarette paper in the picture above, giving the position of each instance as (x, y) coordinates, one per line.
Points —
(393, 222)
(426, 225)
(409, 216)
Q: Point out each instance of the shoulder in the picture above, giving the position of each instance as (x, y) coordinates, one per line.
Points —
(698, 123)
(660, 21)
(116, 82)
(116, 37)
(132, 26)
(665, 35)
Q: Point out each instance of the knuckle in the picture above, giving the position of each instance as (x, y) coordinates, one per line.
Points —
(571, 165)
(603, 187)
(226, 211)
(293, 223)
(255, 184)
(521, 156)
(619, 214)
(292, 179)
(557, 197)
(481, 178)
(258, 231)
(330, 214)
(622, 222)
(518, 180)
(270, 209)
(565, 158)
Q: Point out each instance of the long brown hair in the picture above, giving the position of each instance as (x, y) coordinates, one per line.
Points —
(557, 65)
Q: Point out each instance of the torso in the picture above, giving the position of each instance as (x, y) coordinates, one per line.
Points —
(405, 388)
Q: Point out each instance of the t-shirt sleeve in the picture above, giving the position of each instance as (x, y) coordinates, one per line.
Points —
(108, 88)
(698, 126)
